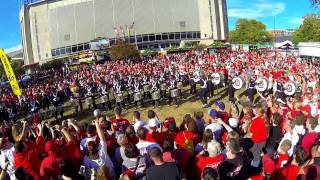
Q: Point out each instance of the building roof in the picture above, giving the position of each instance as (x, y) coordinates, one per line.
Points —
(280, 39)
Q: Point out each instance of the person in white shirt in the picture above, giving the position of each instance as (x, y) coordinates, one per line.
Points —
(7, 154)
(97, 157)
(91, 136)
(290, 135)
(143, 145)
(215, 127)
(138, 122)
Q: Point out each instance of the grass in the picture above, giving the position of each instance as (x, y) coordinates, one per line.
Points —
(189, 104)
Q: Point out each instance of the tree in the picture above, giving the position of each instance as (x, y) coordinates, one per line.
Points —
(315, 3)
(123, 50)
(309, 30)
(249, 31)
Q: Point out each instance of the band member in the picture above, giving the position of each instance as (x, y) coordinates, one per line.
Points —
(203, 91)
(251, 91)
(163, 85)
(90, 97)
(118, 94)
(57, 104)
(11, 112)
(155, 91)
(104, 93)
(146, 87)
(210, 87)
(173, 91)
(279, 91)
(230, 89)
(34, 105)
(129, 86)
(44, 100)
(137, 89)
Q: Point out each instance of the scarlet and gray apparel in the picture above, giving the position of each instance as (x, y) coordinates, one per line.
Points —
(131, 165)
(230, 168)
(167, 171)
(120, 125)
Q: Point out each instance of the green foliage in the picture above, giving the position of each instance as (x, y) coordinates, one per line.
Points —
(148, 52)
(249, 31)
(200, 46)
(123, 50)
(17, 67)
(54, 64)
(309, 31)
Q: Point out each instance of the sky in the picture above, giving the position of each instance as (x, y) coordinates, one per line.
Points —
(288, 14)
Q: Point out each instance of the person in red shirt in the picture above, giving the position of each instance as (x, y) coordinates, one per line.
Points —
(49, 168)
(290, 172)
(189, 134)
(259, 135)
(213, 160)
(119, 124)
(283, 155)
(311, 137)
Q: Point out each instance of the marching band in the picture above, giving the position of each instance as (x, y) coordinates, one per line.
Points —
(162, 82)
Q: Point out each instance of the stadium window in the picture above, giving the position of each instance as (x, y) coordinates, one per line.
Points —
(189, 35)
(164, 36)
(86, 46)
(53, 52)
(80, 47)
(156, 46)
(198, 35)
(74, 48)
(139, 39)
(182, 24)
(67, 37)
(58, 52)
(132, 39)
(63, 51)
(68, 50)
(158, 37)
(194, 35)
(177, 35)
(145, 38)
(152, 37)
(171, 36)
(162, 46)
(183, 35)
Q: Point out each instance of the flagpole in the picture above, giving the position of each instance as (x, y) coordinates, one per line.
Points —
(135, 35)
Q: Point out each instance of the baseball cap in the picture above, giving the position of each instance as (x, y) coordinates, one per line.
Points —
(213, 113)
(220, 104)
(153, 123)
(233, 122)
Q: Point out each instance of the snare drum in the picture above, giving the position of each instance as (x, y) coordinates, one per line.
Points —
(156, 95)
(163, 87)
(137, 96)
(119, 97)
(179, 85)
(90, 100)
(146, 88)
(104, 98)
(174, 93)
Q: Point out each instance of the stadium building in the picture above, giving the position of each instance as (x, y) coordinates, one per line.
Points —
(55, 28)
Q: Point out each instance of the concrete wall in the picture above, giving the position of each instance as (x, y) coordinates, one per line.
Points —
(84, 20)
(26, 36)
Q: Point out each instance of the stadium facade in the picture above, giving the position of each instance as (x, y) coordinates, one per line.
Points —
(54, 28)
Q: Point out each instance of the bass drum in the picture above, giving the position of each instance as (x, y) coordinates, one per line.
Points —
(174, 93)
(156, 95)
(290, 88)
(217, 78)
(238, 82)
(261, 84)
(137, 96)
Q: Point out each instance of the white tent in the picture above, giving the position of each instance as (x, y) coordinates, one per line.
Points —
(285, 44)
(309, 49)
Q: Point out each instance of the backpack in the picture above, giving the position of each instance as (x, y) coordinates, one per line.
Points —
(188, 144)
